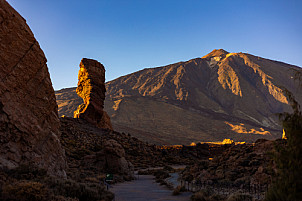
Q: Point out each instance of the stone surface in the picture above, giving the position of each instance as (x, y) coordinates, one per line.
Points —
(91, 88)
(114, 155)
(28, 111)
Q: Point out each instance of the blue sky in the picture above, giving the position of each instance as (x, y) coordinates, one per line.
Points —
(129, 35)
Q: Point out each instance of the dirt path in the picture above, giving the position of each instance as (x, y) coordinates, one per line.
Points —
(145, 189)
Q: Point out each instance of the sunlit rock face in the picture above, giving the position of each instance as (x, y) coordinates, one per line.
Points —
(91, 88)
(29, 124)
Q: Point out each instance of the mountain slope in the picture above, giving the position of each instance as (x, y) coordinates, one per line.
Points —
(221, 95)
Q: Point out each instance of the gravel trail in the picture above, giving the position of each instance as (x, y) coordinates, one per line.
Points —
(145, 189)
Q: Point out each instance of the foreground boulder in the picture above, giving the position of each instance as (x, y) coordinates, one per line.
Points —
(91, 88)
(111, 159)
(29, 124)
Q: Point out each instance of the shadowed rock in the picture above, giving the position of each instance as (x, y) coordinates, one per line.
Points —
(29, 124)
(91, 88)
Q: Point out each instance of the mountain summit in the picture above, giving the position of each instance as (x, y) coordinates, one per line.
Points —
(221, 95)
(216, 53)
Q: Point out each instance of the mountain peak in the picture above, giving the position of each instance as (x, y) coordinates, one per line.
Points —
(223, 95)
(216, 53)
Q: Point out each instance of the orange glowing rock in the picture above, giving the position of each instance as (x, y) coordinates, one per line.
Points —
(193, 144)
(283, 135)
(91, 87)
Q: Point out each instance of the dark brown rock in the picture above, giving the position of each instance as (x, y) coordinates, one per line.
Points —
(112, 159)
(91, 88)
(28, 110)
(115, 157)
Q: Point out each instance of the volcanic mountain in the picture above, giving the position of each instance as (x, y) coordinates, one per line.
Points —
(221, 95)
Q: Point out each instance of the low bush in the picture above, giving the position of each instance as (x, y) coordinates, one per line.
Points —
(240, 197)
(178, 190)
(168, 168)
(200, 196)
(161, 174)
(82, 191)
(25, 190)
(146, 172)
(207, 195)
(27, 172)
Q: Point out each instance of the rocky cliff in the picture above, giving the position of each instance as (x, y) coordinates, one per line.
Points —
(221, 95)
(91, 88)
(29, 131)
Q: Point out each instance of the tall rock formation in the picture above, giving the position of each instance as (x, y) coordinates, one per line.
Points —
(29, 123)
(91, 88)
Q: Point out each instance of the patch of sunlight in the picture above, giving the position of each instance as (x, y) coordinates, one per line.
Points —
(228, 78)
(225, 141)
(275, 91)
(242, 130)
(170, 147)
(283, 135)
(230, 54)
(116, 104)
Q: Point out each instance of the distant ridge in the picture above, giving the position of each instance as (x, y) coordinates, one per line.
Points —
(221, 95)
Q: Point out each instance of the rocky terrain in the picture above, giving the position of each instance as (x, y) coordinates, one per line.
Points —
(221, 95)
(238, 164)
(243, 169)
(91, 151)
(29, 131)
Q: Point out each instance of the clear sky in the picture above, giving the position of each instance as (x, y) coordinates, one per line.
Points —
(129, 35)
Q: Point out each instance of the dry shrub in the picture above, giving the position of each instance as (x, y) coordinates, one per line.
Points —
(25, 190)
(27, 172)
(240, 197)
(217, 197)
(81, 191)
(161, 174)
(200, 196)
(168, 168)
(62, 198)
(178, 190)
(207, 195)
